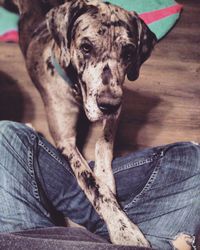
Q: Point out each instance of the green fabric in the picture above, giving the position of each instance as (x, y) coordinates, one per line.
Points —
(141, 6)
(161, 27)
(8, 21)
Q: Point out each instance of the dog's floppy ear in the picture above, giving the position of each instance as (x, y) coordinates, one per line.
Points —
(146, 42)
(60, 21)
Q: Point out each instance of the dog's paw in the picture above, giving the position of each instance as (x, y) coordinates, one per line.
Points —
(139, 239)
(128, 234)
(130, 238)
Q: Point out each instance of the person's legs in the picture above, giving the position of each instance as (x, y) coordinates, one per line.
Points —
(167, 207)
(20, 206)
(37, 186)
(158, 188)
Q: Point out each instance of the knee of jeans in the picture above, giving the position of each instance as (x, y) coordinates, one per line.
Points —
(7, 127)
(11, 129)
(184, 241)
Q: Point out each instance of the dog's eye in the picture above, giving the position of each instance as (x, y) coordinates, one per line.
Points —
(86, 48)
(128, 52)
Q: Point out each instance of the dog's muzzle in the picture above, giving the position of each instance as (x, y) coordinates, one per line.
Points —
(108, 104)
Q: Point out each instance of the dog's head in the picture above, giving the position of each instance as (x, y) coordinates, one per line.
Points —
(102, 43)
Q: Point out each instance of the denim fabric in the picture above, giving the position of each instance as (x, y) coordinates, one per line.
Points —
(158, 188)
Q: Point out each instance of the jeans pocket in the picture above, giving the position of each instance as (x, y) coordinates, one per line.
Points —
(146, 183)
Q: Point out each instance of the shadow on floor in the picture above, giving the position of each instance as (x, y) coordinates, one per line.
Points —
(134, 116)
(12, 99)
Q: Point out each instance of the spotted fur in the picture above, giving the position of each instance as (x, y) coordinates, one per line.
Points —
(97, 45)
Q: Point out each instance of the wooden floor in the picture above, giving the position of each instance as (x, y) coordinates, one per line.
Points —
(163, 106)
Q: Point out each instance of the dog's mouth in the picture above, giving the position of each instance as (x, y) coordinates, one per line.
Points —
(98, 107)
(108, 106)
(100, 113)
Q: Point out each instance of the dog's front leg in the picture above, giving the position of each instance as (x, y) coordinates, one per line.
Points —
(62, 113)
(121, 230)
(62, 121)
(104, 153)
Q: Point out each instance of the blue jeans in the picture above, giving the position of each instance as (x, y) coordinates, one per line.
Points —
(158, 188)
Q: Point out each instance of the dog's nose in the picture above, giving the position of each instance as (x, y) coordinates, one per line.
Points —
(108, 108)
(109, 102)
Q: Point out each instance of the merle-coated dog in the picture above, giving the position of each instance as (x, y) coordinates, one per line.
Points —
(78, 52)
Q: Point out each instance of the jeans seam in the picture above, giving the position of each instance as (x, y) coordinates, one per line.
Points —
(147, 186)
(32, 173)
(31, 138)
(54, 156)
(13, 151)
(134, 164)
(30, 135)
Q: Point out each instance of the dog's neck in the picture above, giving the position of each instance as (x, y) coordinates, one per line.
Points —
(61, 71)
(69, 77)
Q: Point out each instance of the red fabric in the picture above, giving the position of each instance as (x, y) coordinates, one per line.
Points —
(156, 15)
(11, 36)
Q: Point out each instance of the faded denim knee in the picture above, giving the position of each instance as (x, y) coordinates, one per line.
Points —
(15, 133)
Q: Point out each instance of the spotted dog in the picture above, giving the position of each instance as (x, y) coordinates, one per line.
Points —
(78, 54)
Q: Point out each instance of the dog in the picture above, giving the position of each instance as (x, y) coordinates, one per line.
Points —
(78, 54)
